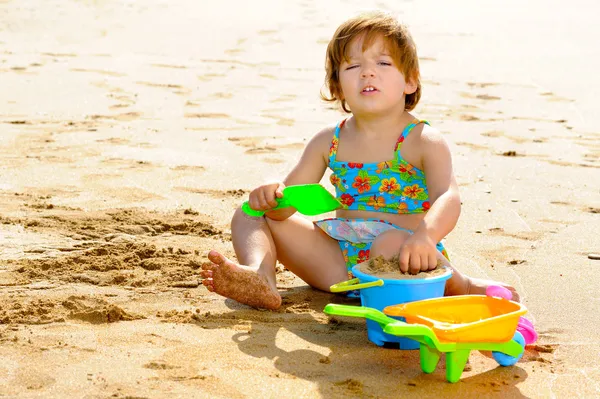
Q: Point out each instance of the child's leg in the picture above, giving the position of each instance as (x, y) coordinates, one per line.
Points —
(388, 243)
(258, 243)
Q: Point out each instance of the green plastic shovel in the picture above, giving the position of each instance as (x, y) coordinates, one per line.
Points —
(308, 199)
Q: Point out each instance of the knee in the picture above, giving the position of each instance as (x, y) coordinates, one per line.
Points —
(240, 218)
(239, 215)
(388, 243)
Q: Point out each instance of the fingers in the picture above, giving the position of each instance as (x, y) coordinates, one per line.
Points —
(265, 197)
(413, 262)
(263, 203)
(268, 200)
(279, 191)
(432, 261)
(404, 258)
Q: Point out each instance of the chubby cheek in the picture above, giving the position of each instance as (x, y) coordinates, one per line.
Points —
(346, 87)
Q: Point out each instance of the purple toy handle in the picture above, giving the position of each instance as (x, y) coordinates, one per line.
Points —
(525, 327)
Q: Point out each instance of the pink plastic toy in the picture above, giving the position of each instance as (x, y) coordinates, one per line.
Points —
(525, 327)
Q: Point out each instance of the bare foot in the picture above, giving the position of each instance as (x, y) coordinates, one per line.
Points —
(241, 283)
(478, 286)
(461, 284)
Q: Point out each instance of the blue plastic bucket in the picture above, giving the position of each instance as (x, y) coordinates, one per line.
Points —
(394, 292)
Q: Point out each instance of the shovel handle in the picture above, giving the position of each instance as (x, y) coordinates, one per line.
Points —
(251, 212)
(351, 285)
(359, 311)
(281, 203)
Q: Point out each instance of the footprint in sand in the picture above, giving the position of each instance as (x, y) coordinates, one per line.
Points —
(493, 133)
(21, 70)
(255, 145)
(125, 117)
(234, 51)
(210, 76)
(60, 54)
(159, 365)
(479, 96)
(222, 95)
(115, 140)
(188, 168)
(284, 98)
(99, 71)
(180, 90)
(33, 379)
(554, 98)
(261, 150)
(280, 120)
(235, 193)
(481, 84)
(472, 146)
(161, 85)
(273, 160)
(203, 115)
(169, 66)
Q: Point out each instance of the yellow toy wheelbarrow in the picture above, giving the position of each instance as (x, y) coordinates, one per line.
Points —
(452, 325)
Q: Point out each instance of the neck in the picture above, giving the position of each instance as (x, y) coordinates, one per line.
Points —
(381, 125)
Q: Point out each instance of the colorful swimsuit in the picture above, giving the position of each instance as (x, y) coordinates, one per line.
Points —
(393, 186)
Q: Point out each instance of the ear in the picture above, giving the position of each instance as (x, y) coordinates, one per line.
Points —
(411, 86)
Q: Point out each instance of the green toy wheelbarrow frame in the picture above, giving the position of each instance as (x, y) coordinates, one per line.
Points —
(431, 348)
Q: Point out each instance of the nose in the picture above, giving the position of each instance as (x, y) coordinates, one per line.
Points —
(367, 72)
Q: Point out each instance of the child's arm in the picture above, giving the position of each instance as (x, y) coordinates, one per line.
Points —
(309, 169)
(419, 252)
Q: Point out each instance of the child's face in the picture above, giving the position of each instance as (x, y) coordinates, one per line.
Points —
(371, 82)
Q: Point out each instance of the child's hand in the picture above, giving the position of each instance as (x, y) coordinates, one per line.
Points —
(263, 198)
(418, 253)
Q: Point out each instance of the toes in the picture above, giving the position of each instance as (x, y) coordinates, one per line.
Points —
(209, 266)
(216, 257)
(516, 296)
(208, 284)
(206, 273)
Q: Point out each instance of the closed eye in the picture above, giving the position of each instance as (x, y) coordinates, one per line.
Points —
(351, 67)
(385, 63)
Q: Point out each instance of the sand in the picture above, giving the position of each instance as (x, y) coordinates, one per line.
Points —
(130, 131)
(390, 269)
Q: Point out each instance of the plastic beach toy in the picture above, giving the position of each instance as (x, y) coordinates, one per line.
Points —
(308, 199)
(451, 325)
(525, 327)
(378, 293)
(464, 318)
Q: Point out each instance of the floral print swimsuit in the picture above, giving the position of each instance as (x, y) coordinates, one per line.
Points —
(393, 186)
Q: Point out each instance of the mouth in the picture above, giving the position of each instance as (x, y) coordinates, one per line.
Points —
(369, 89)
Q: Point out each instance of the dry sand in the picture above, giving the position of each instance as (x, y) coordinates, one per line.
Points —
(131, 130)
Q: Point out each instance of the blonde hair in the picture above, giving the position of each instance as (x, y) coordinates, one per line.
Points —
(399, 43)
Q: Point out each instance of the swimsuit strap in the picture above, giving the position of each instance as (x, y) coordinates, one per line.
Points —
(334, 142)
(405, 133)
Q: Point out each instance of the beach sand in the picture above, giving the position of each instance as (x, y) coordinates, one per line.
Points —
(130, 131)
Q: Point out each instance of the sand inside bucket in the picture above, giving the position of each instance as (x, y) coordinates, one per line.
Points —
(390, 269)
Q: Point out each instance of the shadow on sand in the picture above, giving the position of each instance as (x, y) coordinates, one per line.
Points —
(340, 360)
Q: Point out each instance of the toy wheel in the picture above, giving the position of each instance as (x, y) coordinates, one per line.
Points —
(506, 360)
